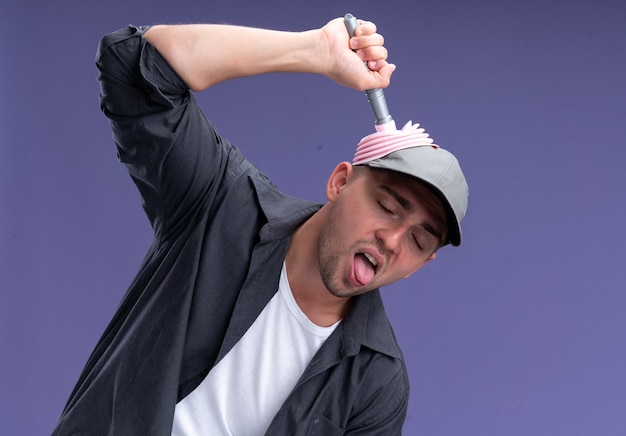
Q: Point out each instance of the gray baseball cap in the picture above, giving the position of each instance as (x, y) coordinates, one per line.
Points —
(411, 151)
(440, 170)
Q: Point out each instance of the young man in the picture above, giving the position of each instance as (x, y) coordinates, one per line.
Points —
(253, 312)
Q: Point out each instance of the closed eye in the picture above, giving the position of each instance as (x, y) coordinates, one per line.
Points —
(386, 210)
(417, 242)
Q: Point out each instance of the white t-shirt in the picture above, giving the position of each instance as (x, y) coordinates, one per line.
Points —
(243, 392)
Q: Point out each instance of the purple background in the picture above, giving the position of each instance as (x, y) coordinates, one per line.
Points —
(518, 332)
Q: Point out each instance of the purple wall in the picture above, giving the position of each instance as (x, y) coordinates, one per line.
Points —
(519, 332)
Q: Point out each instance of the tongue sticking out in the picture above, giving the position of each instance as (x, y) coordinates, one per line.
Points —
(363, 269)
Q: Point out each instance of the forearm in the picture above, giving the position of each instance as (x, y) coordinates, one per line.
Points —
(206, 54)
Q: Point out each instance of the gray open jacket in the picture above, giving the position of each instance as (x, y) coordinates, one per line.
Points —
(221, 234)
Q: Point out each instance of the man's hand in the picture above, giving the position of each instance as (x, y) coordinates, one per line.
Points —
(347, 56)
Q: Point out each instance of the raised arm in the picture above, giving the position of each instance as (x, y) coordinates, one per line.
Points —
(206, 54)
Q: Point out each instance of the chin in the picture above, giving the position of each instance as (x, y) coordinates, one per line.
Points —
(348, 292)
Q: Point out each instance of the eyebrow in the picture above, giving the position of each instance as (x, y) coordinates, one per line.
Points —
(407, 206)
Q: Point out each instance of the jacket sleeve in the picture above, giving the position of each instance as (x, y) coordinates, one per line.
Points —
(172, 152)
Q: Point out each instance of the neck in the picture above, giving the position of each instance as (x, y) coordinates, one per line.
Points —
(309, 291)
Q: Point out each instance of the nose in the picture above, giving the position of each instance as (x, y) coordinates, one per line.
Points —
(391, 238)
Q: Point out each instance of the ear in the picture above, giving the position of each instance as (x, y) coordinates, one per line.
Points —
(431, 257)
(337, 180)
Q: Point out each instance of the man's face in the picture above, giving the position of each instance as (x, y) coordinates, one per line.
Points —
(381, 227)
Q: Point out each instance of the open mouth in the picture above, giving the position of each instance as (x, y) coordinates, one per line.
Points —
(371, 260)
(365, 266)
